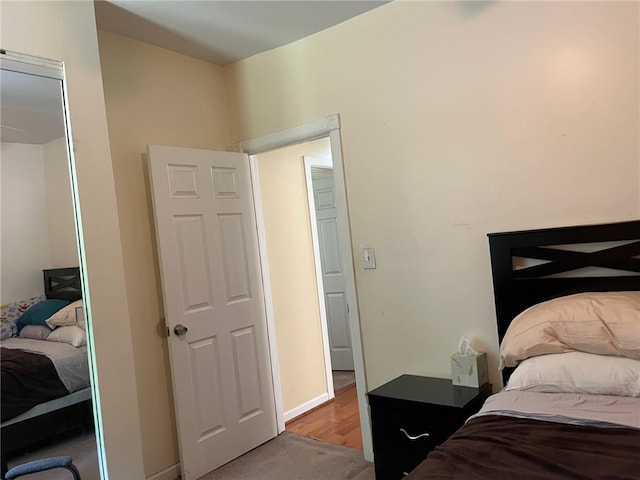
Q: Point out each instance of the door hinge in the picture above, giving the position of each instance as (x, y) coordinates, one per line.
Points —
(168, 332)
(347, 308)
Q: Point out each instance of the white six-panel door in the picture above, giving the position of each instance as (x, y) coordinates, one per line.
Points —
(211, 281)
(333, 279)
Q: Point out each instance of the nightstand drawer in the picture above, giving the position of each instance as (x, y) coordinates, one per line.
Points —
(393, 466)
(408, 433)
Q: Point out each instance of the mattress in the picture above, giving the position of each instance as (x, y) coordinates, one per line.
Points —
(530, 435)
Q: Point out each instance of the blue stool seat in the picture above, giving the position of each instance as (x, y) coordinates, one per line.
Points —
(42, 465)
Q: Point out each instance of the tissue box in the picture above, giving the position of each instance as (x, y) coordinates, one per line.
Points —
(469, 370)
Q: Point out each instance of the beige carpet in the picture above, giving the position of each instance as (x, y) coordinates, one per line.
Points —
(293, 457)
(286, 457)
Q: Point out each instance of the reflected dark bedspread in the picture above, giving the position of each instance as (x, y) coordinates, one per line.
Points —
(27, 380)
(500, 447)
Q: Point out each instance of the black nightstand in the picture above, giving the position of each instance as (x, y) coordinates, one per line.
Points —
(411, 415)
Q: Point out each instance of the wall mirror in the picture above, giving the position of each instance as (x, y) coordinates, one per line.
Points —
(47, 400)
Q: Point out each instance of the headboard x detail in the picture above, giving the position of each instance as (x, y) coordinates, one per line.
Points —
(63, 283)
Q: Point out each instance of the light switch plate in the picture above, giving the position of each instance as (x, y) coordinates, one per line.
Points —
(369, 257)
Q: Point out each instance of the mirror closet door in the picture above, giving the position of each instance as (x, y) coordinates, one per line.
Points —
(46, 401)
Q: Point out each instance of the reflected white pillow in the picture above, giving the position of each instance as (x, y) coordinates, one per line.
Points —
(71, 334)
(36, 332)
(65, 316)
(578, 372)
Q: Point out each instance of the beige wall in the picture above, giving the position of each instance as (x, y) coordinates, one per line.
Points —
(72, 39)
(63, 246)
(153, 96)
(25, 232)
(292, 271)
(41, 232)
(458, 119)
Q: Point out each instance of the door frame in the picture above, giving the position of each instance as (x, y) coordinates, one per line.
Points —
(309, 164)
(326, 127)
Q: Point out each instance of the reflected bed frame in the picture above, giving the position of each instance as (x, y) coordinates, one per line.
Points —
(64, 284)
(529, 268)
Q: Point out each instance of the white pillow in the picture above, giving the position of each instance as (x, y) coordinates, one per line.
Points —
(578, 372)
(71, 334)
(36, 332)
(65, 316)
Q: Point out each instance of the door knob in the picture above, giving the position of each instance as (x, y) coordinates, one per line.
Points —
(180, 330)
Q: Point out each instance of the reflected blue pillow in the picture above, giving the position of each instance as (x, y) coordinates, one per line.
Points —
(38, 314)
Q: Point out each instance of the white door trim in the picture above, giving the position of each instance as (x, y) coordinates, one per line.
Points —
(268, 296)
(310, 162)
(326, 127)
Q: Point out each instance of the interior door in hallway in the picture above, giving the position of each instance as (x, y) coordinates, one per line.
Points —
(214, 304)
(333, 278)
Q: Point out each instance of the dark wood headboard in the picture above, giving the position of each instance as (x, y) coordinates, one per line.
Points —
(63, 283)
(517, 287)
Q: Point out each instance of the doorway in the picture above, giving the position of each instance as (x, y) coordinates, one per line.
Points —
(305, 265)
(330, 276)
(327, 129)
(307, 282)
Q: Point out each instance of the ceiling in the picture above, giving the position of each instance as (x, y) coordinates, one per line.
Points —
(31, 108)
(216, 31)
(224, 32)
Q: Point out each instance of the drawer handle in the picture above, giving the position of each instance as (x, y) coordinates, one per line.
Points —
(414, 437)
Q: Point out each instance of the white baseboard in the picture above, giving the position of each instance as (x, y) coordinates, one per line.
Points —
(171, 473)
(305, 407)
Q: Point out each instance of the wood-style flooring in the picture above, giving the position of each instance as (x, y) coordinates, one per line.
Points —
(337, 421)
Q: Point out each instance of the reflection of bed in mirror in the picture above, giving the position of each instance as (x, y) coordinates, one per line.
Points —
(45, 377)
(568, 317)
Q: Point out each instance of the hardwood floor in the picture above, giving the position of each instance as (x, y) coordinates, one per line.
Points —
(336, 422)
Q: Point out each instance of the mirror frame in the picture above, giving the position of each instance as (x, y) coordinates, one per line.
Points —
(30, 65)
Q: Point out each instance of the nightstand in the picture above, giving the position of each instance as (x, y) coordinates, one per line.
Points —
(411, 415)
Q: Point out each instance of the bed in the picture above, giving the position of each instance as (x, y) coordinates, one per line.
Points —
(568, 318)
(44, 371)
